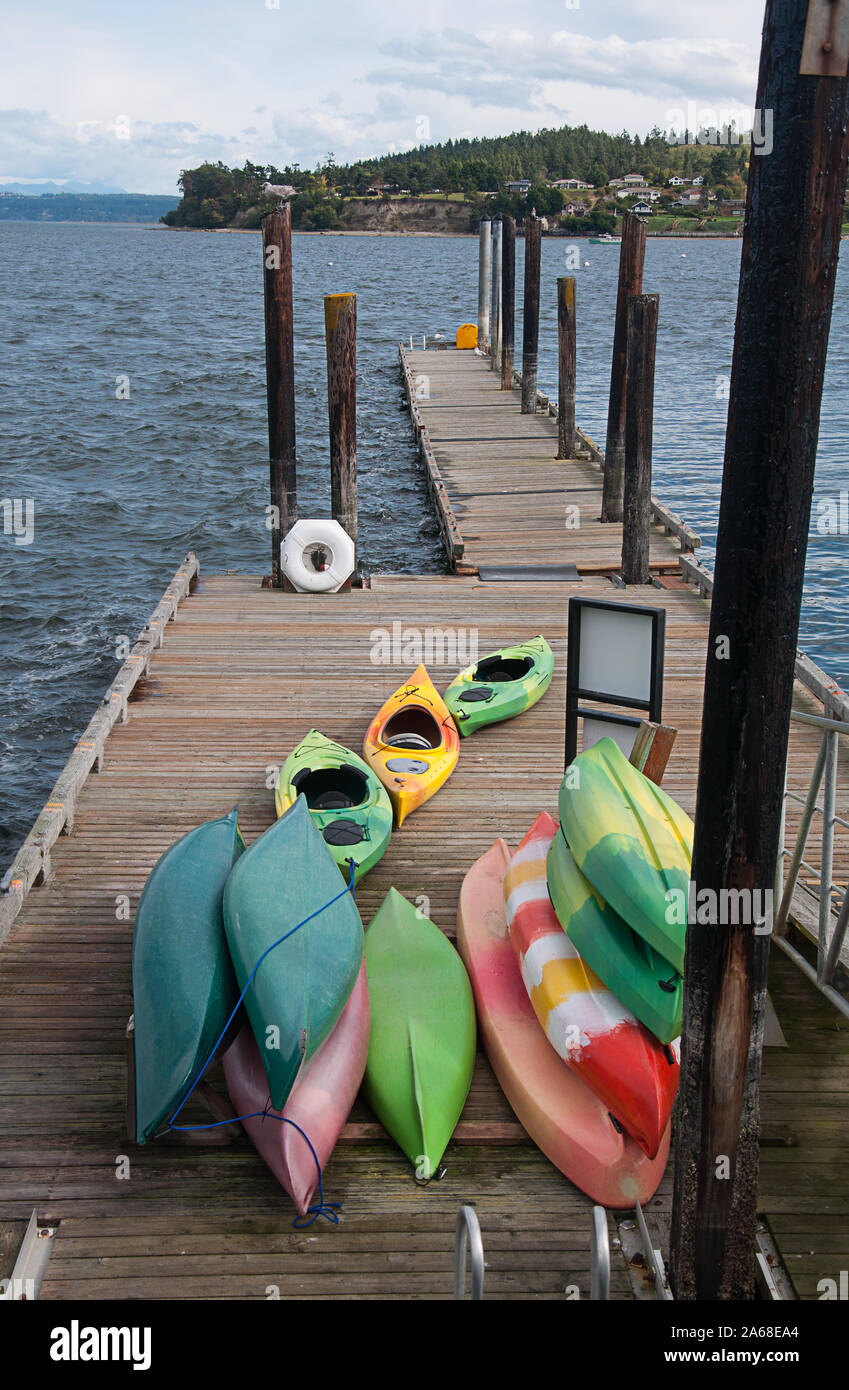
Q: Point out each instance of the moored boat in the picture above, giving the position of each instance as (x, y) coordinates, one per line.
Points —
(605, 1045)
(422, 1046)
(632, 842)
(412, 744)
(348, 803)
(500, 686)
(184, 988)
(319, 1102)
(562, 1115)
(287, 885)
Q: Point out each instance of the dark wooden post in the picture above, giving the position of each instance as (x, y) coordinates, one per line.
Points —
(280, 377)
(495, 317)
(566, 365)
(791, 242)
(508, 298)
(484, 272)
(530, 315)
(340, 329)
(639, 413)
(631, 258)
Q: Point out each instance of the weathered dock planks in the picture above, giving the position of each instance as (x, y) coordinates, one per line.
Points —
(240, 678)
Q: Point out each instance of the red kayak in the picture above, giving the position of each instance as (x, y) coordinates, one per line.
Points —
(562, 1115)
(319, 1101)
(619, 1059)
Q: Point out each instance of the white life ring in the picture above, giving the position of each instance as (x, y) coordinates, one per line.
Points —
(307, 539)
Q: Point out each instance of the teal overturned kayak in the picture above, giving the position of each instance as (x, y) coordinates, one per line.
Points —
(632, 842)
(302, 984)
(348, 803)
(500, 686)
(642, 980)
(184, 989)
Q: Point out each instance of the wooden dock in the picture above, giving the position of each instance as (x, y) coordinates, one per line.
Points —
(242, 674)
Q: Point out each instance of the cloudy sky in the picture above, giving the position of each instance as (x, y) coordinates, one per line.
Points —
(130, 94)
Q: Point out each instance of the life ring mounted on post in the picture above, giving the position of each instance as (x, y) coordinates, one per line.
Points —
(317, 557)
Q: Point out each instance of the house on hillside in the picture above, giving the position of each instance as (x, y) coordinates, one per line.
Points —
(519, 186)
(643, 209)
(569, 184)
(634, 180)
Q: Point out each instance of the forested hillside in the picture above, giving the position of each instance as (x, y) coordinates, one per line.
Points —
(215, 196)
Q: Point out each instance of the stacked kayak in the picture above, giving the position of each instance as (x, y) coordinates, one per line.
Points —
(422, 1046)
(565, 1118)
(601, 1040)
(348, 803)
(319, 1102)
(644, 981)
(184, 989)
(299, 988)
(631, 841)
(412, 744)
(500, 686)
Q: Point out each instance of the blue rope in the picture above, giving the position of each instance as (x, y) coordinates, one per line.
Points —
(321, 1208)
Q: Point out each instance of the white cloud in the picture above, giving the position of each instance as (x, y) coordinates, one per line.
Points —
(210, 79)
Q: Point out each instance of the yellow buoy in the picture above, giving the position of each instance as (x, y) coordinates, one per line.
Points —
(467, 335)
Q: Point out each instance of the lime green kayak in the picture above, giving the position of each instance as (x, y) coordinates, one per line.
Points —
(184, 989)
(422, 1042)
(302, 985)
(348, 803)
(641, 979)
(632, 842)
(501, 686)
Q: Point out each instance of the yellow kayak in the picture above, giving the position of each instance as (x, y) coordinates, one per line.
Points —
(412, 744)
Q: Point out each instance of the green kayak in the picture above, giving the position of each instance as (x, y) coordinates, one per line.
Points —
(184, 989)
(632, 842)
(302, 985)
(641, 979)
(348, 803)
(501, 686)
(422, 1042)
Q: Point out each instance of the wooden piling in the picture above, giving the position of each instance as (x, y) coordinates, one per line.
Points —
(566, 365)
(280, 377)
(508, 298)
(495, 316)
(631, 259)
(639, 412)
(340, 329)
(530, 315)
(791, 242)
(484, 272)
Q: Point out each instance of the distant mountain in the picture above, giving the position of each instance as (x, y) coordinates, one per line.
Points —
(49, 186)
(85, 207)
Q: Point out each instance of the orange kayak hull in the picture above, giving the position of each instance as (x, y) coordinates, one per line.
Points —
(412, 744)
(567, 1121)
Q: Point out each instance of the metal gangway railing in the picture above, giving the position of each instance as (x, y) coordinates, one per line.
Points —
(830, 935)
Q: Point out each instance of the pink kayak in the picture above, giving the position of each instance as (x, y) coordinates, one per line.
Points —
(601, 1040)
(561, 1114)
(319, 1101)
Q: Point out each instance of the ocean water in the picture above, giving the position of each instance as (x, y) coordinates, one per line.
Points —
(122, 488)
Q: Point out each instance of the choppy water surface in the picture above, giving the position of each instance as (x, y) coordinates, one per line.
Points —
(123, 488)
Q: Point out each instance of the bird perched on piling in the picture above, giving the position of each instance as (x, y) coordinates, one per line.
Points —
(283, 191)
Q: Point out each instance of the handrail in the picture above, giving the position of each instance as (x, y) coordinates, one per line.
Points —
(599, 1256)
(467, 1236)
(829, 939)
